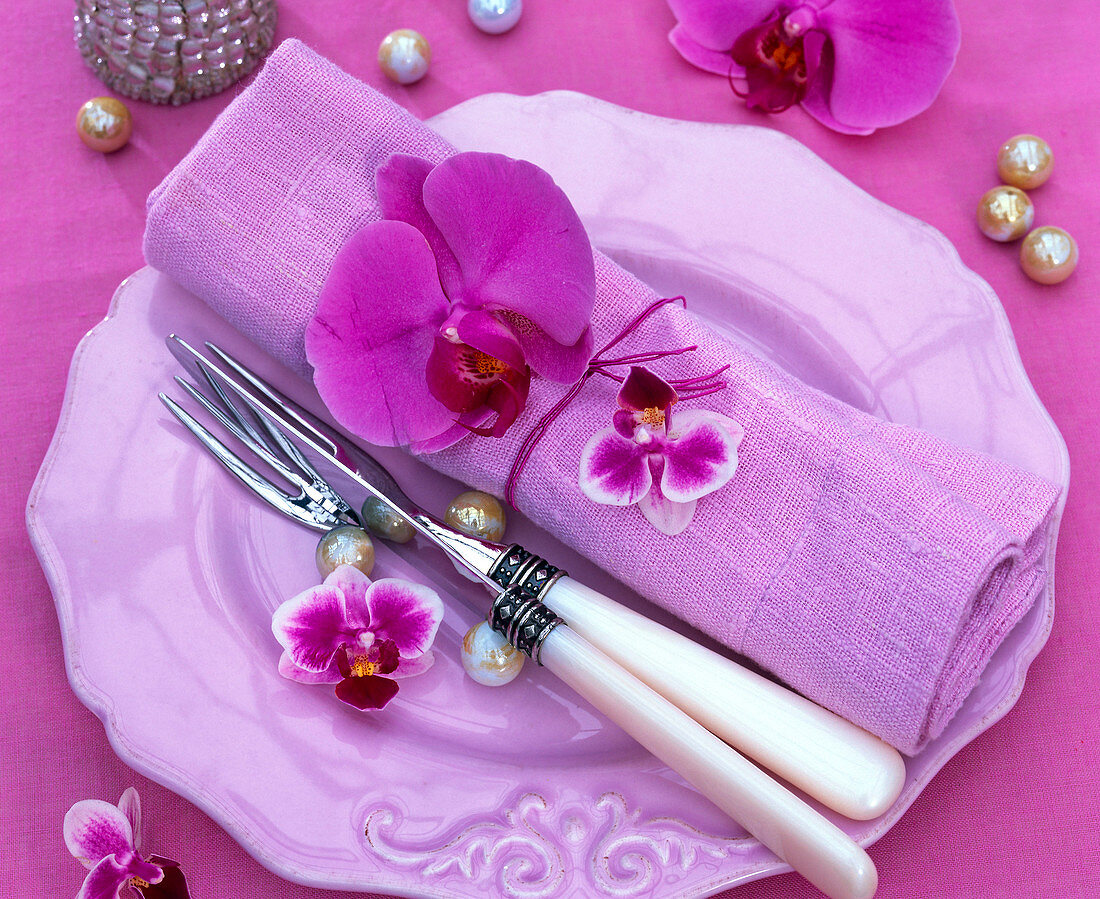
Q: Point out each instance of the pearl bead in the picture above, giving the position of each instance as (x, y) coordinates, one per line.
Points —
(488, 658)
(1025, 161)
(345, 545)
(104, 124)
(477, 514)
(1005, 213)
(495, 16)
(404, 56)
(1048, 255)
(381, 521)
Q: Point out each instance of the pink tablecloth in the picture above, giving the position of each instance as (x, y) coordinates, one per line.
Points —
(1017, 813)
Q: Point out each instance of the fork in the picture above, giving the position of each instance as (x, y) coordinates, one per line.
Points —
(841, 765)
(802, 837)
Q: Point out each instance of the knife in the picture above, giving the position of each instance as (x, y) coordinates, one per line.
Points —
(841, 765)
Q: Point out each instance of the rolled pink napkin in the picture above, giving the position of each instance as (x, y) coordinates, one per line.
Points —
(873, 567)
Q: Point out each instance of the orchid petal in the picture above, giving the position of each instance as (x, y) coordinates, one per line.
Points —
(460, 429)
(145, 870)
(716, 24)
(700, 454)
(518, 240)
(370, 692)
(644, 390)
(290, 671)
(130, 805)
(819, 62)
(507, 398)
(385, 657)
(414, 666)
(172, 886)
(666, 516)
(625, 422)
(459, 376)
(487, 333)
(400, 185)
(891, 57)
(407, 613)
(614, 470)
(105, 880)
(353, 584)
(377, 317)
(548, 358)
(312, 626)
(95, 829)
(717, 61)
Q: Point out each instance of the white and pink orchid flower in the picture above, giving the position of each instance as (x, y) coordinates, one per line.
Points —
(107, 839)
(358, 634)
(660, 461)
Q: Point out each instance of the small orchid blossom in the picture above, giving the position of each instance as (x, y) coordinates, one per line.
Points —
(107, 839)
(854, 65)
(434, 319)
(358, 635)
(661, 461)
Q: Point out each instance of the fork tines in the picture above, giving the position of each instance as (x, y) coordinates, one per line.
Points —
(316, 504)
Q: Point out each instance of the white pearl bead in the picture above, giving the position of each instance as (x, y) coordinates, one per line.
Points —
(345, 545)
(404, 56)
(488, 658)
(477, 514)
(1005, 213)
(495, 16)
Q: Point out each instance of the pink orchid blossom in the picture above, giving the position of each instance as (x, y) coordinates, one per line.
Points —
(434, 319)
(662, 462)
(854, 65)
(358, 635)
(107, 839)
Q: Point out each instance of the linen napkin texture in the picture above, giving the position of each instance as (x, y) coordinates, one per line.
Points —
(872, 567)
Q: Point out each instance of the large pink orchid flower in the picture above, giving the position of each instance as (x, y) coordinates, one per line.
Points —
(432, 321)
(661, 460)
(854, 65)
(358, 635)
(107, 839)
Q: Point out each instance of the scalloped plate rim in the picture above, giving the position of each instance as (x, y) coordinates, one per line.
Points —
(101, 705)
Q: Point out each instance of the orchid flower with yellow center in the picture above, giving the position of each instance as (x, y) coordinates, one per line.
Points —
(106, 839)
(433, 321)
(663, 461)
(358, 635)
(854, 65)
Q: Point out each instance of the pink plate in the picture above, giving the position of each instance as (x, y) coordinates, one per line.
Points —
(461, 790)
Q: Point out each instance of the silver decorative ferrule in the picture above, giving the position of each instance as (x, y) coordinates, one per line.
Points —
(522, 620)
(517, 567)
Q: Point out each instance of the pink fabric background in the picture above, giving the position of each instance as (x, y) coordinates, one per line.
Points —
(1017, 813)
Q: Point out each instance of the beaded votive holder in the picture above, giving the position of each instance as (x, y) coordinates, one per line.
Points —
(173, 51)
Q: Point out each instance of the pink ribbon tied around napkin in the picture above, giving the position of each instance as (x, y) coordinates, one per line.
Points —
(872, 567)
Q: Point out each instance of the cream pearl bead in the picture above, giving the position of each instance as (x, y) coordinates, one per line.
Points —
(1005, 213)
(404, 55)
(1025, 161)
(488, 658)
(384, 523)
(477, 514)
(104, 124)
(346, 545)
(1048, 255)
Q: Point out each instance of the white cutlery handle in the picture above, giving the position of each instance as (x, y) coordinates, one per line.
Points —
(843, 766)
(809, 843)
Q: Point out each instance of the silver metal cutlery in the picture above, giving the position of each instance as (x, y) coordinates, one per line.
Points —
(689, 713)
